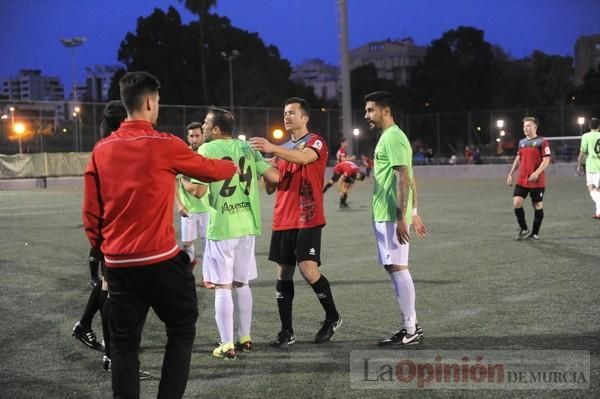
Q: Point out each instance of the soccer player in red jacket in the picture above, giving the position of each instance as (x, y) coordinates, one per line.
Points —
(128, 214)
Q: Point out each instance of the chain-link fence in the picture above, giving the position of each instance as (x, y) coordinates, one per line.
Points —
(31, 127)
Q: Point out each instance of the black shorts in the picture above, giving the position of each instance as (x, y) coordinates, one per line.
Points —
(537, 194)
(335, 177)
(289, 247)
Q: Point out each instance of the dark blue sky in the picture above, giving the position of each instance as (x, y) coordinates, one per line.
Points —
(30, 29)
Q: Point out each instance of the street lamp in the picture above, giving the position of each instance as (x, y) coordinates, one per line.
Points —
(580, 122)
(19, 129)
(73, 43)
(77, 120)
(230, 57)
(355, 133)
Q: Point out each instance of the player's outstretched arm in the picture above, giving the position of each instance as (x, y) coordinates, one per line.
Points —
(301, 157)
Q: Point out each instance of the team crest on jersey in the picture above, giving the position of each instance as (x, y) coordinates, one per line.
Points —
(318, 144)
(547, 150)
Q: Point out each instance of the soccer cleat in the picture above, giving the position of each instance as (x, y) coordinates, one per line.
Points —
(344, 206)
(244, 344)
(596, 216)
(533, 237)
(328, 328)
(225, 351)
(106, 365)
(396, 338)
(284, 339)
(86, 336)
(522, 234)
(411, 339)
(144, 375)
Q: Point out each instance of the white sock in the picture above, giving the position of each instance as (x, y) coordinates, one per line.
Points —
(224, 314)
(596, 197)
(189, 249)
(244, 304)
(405, 295)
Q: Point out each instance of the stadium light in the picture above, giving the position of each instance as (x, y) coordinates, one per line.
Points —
(500, 123)
(478, 128)
(19, 129)
(277, 134)
(498, 140)
(4, 116)
(73, 43)
(502, 133)
(356, 132)
(242, 137)
(580, 122)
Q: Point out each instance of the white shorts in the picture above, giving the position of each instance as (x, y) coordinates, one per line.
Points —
(389, 249)
(226, 261)
(194, 226)
(592, 179)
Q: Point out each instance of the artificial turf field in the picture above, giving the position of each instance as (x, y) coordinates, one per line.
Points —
(477, 289)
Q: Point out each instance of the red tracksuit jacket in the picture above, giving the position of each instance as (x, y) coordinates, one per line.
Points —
(129, 192)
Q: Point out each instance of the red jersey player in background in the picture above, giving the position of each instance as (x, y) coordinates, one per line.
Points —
(298, 219)
(532, 158)
(349, 173)
(341, 155)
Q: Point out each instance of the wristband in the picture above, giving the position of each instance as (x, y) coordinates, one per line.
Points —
(414, 212)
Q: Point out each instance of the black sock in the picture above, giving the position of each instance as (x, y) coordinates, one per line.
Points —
(343, 199)
(91, 308)
(285, 298)
(327, 187)
(105, 312)
(323, 291)
(520, 212)
(538, 216)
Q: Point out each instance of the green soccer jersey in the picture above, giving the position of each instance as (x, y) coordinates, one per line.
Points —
(590, 145)
(393, 149)
(234, 203)
(191, 203)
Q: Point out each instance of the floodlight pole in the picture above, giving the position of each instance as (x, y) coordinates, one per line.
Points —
(230, 57)
(73, 43)
(345, 72)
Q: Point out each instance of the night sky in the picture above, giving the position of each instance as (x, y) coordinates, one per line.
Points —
(30, 29)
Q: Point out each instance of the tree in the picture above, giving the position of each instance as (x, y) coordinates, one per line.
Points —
(201, 8)
(589, 92)
(455, 74)
(164, 47)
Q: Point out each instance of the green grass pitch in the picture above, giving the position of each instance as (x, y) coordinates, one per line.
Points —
(476, 289)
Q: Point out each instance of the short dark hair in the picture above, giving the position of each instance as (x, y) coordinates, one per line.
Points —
(113, 114)
(594, 123)
(134, 86)
(531, 119)
(300, 101)
(194, 125)
(381, 98)
(222, 118)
